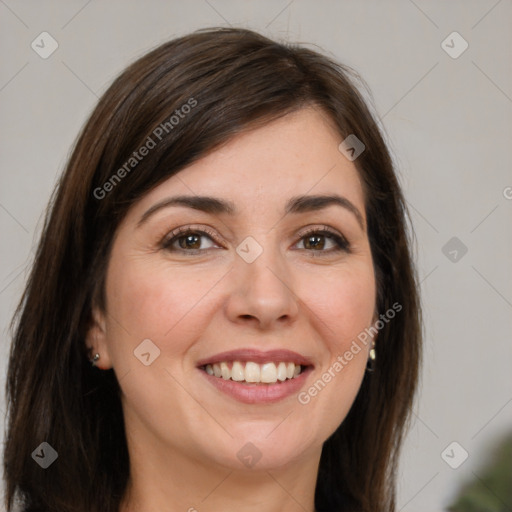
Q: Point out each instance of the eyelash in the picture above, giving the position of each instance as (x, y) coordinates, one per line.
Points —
(171, 238)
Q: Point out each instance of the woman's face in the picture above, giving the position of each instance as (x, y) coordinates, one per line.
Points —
(276, 278)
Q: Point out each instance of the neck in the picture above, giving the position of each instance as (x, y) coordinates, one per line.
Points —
(168, 479)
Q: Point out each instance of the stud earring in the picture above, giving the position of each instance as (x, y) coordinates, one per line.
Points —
(372, 356)
(94, 359)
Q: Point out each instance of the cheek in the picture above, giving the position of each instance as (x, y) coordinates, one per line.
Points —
(341, 313)
(155, 301)
(343, 304)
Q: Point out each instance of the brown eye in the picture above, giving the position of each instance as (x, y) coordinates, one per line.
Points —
(188, 240)
(324, 240)
(314, 242)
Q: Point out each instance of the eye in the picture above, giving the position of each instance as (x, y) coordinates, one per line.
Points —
(187, 240)
(316, 240)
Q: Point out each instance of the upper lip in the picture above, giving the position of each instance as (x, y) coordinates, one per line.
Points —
(257, 356)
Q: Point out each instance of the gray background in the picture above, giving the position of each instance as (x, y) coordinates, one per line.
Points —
(448, 122)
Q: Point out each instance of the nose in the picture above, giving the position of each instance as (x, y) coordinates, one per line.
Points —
(262, 292)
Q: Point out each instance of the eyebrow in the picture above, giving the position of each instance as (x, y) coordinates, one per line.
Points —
(295, 205)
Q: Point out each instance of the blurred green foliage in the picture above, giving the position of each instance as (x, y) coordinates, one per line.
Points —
(491, 489)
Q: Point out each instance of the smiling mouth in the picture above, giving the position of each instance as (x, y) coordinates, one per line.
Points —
(250, 372)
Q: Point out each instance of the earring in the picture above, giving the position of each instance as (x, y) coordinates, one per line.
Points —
(370, 366)
(94, 359)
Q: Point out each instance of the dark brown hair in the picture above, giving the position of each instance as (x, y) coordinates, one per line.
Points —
(233, 79)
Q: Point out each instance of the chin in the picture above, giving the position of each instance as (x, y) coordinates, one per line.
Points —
(262, 451)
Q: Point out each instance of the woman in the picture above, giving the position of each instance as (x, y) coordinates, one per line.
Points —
(228, 248)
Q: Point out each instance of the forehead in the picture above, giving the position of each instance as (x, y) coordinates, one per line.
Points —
(293, 155)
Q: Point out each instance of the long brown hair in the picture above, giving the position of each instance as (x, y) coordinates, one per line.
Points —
(232, 80)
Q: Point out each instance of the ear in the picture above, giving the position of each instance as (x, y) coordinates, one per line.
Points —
(96, 339)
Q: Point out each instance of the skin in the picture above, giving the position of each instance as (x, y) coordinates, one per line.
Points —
(183, 434)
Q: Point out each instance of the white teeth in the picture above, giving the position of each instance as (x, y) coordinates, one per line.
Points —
(252, 372)
(237, 372)
(267, 373)
(281, 371)
(225, 371)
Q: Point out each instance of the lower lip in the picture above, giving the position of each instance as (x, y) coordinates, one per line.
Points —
(259, 393)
